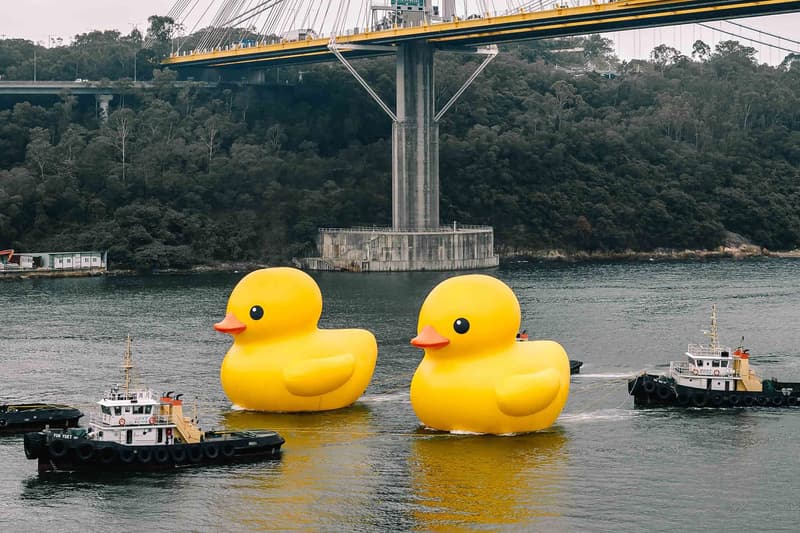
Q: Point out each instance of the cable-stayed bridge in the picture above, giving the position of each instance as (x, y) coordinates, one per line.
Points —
(235, 35)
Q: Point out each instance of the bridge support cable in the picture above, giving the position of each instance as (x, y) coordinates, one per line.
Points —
(334, 48)
(764, 32)
(755, 41)
(490, 52)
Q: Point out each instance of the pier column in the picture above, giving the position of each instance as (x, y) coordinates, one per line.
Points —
(415, 142)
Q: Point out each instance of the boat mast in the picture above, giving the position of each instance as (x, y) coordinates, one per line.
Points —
(127, 365)
(713, 332)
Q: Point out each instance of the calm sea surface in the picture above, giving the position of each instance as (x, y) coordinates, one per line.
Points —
(604, 465)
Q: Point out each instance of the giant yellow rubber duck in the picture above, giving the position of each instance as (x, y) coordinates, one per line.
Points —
(475, 377)
(280, 360)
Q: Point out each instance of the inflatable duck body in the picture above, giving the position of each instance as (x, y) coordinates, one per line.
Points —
(280, 360)
(475, 377)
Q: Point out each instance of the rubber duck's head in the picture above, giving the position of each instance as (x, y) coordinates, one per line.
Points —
(272, 302)
(467, 314)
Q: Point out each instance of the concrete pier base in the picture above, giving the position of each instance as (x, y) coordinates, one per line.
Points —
(389, 250)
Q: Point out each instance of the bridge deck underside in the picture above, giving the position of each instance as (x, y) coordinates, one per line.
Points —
(517, 27)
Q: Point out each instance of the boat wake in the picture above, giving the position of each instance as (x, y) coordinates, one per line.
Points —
(603, 415)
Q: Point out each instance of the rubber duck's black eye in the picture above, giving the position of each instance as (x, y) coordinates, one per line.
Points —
(461, 325)
(256, 312)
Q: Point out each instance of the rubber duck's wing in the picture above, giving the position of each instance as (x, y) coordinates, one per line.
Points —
(525, 394)
(313, 377)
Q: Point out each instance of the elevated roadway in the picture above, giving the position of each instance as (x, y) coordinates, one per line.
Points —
(79, 87)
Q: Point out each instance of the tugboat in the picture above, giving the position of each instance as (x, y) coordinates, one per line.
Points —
(712, 376)
(20, 418)
(137, 430)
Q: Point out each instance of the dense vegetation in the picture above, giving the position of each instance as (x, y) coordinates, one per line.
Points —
(674, 152)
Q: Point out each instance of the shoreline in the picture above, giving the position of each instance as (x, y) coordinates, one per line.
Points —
(506, 256)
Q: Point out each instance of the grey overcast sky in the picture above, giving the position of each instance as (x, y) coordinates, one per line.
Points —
(39, 20)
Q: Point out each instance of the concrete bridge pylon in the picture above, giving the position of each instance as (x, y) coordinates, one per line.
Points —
(415, 142)
(416, 240)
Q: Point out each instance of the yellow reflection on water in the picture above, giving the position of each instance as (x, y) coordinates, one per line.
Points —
(481, 481)
(321, 472)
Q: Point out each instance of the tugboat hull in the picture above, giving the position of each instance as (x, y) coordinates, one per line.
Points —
(649, 390)
(22, 418)
(64, 452)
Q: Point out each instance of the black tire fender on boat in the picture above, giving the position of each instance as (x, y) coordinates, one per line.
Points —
(749, 401)
(195, 453)
(734, 400)
(84, 451)
(107, 455)
(126, 455)
(663, 392)
(2, 422)
(699, 400)
(791, 400)
(161, 455)
(34, 442)
(683, 398)
(58, 448)
(228, 450)
(211, 451)
(145, 455)
(178, 453)
(648, 385)
(762, 400)
(716, 400)
(777, 401)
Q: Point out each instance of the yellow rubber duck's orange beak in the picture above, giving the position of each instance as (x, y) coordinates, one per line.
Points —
(429, 338)
(230, 324)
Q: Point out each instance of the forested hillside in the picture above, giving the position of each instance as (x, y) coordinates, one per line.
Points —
(674, 152)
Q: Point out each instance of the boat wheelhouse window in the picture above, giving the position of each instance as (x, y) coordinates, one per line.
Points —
(106, 409)
(117, 410)
(715, 363)
(148, 409)
(724, 364)
(138, 410)
(724, 354)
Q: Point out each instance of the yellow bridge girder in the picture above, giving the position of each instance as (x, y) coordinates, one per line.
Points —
(558, 22)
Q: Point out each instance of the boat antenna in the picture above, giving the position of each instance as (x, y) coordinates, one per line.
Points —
(127, 365)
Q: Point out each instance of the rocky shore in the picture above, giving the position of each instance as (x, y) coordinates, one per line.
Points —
(723, 252)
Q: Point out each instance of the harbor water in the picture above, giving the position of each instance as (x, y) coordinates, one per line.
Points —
(603, 466)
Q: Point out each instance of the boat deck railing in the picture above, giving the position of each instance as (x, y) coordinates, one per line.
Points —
(681, 368)
(134, 395)
(704, 350)
(132, 420)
